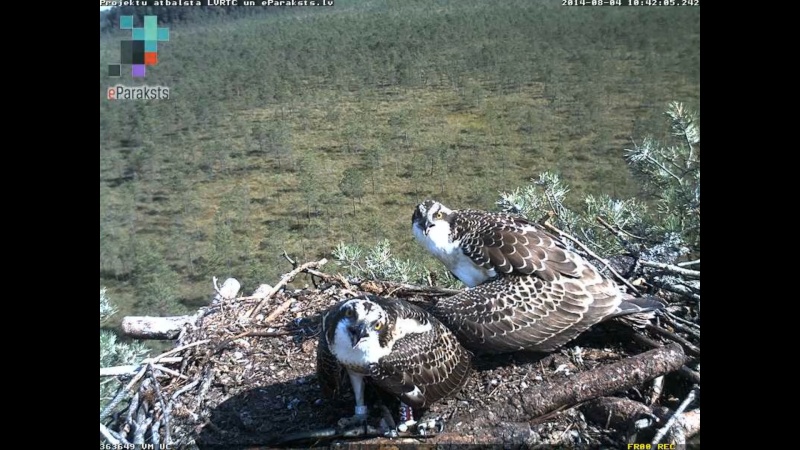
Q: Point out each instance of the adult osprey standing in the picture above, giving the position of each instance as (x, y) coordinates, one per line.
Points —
(398, 346)
(528, 291)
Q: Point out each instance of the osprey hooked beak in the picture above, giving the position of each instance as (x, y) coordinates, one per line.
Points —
(357, 333)
(420, 220)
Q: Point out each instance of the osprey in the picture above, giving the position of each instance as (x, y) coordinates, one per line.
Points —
(528, 291)
(401, 348)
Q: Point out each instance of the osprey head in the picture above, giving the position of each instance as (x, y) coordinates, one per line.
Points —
(429, 214)
(359, 335)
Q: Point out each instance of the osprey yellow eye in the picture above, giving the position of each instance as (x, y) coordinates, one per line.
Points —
(378, 326)
(439, 215)
(348, 312)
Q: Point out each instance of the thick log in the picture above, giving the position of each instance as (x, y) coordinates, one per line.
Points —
(622, 414)
(600, 382)
(148, 327)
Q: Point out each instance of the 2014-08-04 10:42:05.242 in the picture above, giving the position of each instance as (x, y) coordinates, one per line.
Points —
(630, 2)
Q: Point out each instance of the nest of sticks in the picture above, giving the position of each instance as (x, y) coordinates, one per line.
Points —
(242, 374)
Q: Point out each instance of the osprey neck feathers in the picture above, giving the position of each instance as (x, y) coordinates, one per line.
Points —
(439, 242)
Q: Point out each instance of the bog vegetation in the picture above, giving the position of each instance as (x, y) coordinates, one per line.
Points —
(316, 130)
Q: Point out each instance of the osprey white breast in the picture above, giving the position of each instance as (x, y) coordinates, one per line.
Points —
(436, 238)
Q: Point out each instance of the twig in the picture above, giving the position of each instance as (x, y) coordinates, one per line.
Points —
(184, 389)
(118, 398)
(164, 416)
(216, 286)
(279, 310)
(130, 369)
(658, 387)
(688, 323)
(690, 374)
(679, 326)
(672, 269)
(646, 341)
(689, 263)
(616, 230)
(663, 431)
(672, 336)
(291, 261)
(678, 289)
(179, 349)
(627, 283)
(285, 279)
(108, 436)
(133, 406)
(208, 378)
(271, 333)
(155, 437)
(142, 424)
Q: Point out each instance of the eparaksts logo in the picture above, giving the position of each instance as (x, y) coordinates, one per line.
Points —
(120, 92)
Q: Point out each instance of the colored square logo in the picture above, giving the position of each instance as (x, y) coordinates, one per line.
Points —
(125, 22)
(142, 49)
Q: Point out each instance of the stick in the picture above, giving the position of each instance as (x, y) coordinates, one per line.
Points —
(663, 431)
(331, 278)
(658, 387)
(692, 375)
(285, 279)
(616, 231)
(279, 310)
(679, 326)
(627, 283)
(184, 389)
(118, 398)
(179, 349)
(689, 263)
(678, 289)
(130, 369)
(291, 261)
(209, 377)
(672, 269)
(672, 336)
(165, 415)
(688, 323)
(107, 435)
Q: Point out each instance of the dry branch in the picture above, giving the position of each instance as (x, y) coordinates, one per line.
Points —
(672, 336)
(131, 369)
(148, 327)
(605, 380)
(617, 413)
(663, 431)
(622, 415)
(678, 289)
(689, 263)
(672, 269)
(285, 279)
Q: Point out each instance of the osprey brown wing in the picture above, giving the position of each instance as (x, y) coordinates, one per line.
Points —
(513, 245)
(423, 367)
(520, 312)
